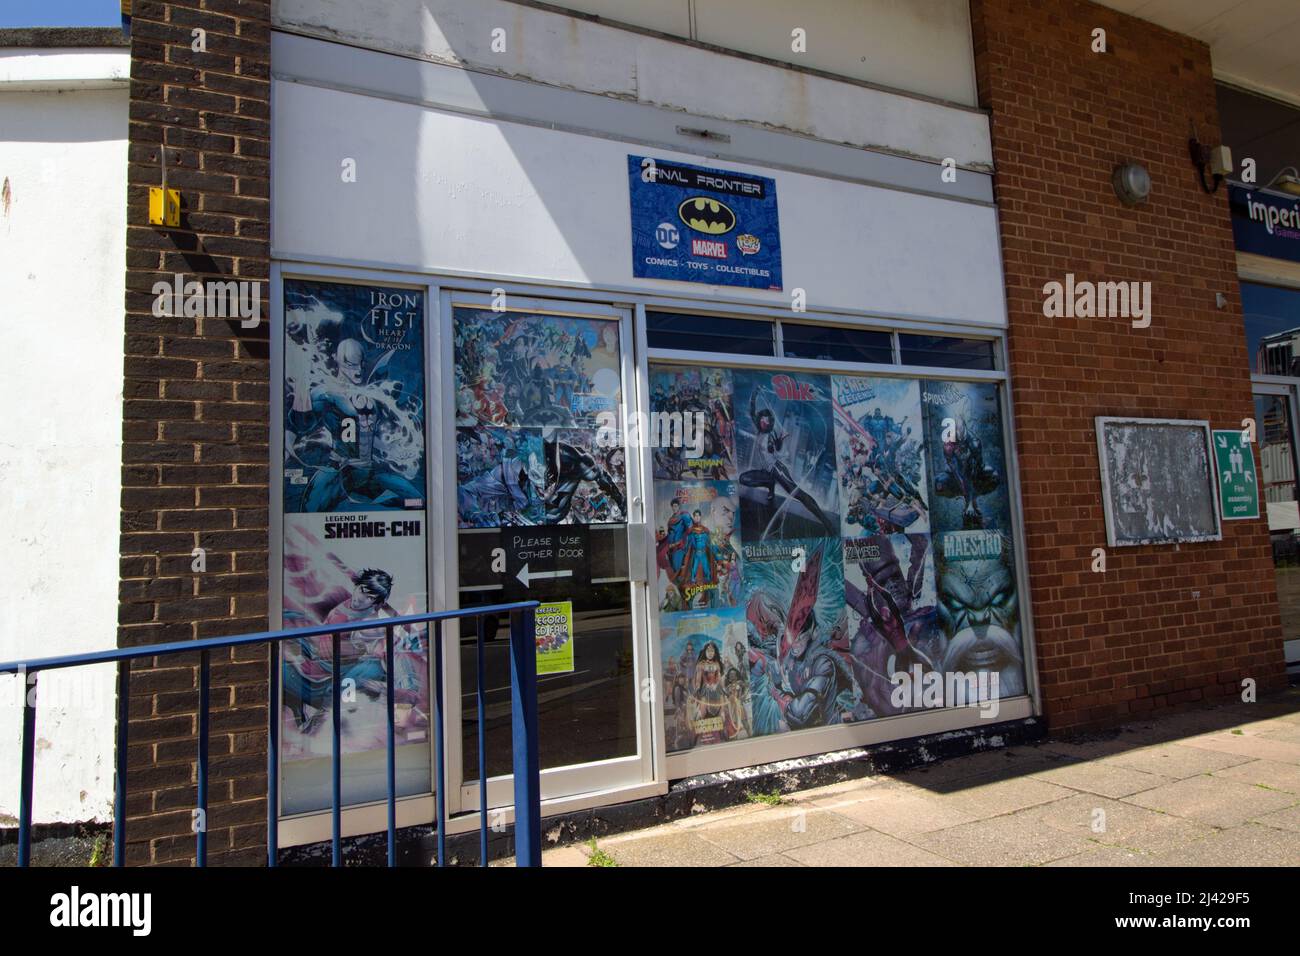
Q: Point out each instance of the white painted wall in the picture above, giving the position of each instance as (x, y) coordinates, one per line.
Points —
(927, 54)
(446, 192)
(922, 46)
(62, 276)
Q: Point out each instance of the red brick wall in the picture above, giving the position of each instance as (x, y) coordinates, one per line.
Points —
(194, 438)
(1134, 639)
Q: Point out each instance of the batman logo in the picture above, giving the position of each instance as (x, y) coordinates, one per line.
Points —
(707, 215)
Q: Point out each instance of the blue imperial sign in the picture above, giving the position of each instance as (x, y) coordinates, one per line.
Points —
(695, 224)
(1264, 224)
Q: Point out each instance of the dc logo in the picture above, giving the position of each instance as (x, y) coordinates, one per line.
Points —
(667, 236)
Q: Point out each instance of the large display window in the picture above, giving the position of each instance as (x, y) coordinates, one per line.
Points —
(835, 549)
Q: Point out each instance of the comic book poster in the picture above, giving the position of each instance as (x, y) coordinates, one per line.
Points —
(500, 477)
(353, 398)
(692, 426)
(586, 479)
(978, 638)
(881, 455)
(785, 456)
(697, 542)
(797, 624)
(354, 568)
(523, 370)
(706, 678)
(889, 586)
(967, 466)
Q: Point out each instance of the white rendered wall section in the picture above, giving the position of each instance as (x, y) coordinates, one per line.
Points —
(922, 46)
(62, 272)
(445, 192)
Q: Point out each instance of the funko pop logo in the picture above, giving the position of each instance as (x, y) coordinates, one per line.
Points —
(748, 244)
(788, 390)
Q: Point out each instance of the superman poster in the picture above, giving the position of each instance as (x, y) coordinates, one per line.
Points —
(695, 224)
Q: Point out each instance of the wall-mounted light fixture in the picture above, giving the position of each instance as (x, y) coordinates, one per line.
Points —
(1286, 181)
(1217, 160)
(1132, 183)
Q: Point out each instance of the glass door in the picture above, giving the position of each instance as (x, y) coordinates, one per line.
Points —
(1275, 418)
(547, 505)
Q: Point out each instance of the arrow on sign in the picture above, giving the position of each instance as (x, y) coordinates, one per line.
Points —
(524, 576)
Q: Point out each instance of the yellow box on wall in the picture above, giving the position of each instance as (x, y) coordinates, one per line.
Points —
(164, 206)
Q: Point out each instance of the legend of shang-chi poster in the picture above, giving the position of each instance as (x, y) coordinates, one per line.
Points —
(354, 535)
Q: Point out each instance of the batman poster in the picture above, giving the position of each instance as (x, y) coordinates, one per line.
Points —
(353, 397)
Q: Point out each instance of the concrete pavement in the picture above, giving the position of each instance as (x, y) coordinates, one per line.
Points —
(1212, 787)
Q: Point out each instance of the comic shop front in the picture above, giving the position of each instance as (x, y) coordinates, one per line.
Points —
(766, 498)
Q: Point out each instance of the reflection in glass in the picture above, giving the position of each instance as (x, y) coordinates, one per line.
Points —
(834, 344)
(944, 351)
(687, 332)
(1272, 318)
(1278, 482)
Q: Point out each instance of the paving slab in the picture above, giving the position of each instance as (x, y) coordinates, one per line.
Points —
(897, 810)
(666, 849)
(1248, 845)
(564, 856)
(1120, 824)
(1017, 840)
(1213, 800)
(1288, 819)
(1175, 760)
(1105, 856)
(1249, 745)
(1099, 777)
(1264, 773)
(778, 830)
(866, 848)
(1005, 796)
(775, 859)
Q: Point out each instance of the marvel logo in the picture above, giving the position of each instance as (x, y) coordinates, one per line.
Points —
(709, 247)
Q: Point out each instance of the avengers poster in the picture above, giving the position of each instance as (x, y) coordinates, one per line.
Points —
(697, 542)
(353, 398)
(880, 449)
(797, 626)
(889, 587)
(524, 370)
(967, 468)
(353, 568)
(979, 611)
(705, 672)
(785, 456)
(692, 427)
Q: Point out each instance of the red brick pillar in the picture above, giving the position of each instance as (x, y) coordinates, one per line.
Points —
(196, 422)
(1163, 625)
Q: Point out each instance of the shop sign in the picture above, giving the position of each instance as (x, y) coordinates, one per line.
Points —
(1264, 224)
(695, 224)
(1238, 488)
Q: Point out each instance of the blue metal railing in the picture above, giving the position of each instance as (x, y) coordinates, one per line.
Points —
(523, 700)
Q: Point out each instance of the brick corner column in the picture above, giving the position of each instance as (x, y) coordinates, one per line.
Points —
(196, 417)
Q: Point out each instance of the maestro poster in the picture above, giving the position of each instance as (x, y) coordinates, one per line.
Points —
(695, 224)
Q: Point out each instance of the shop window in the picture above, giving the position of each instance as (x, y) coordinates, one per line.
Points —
(687, 332)
(942, 351)
(1272, 318)
(830, 549)
(835, 344)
